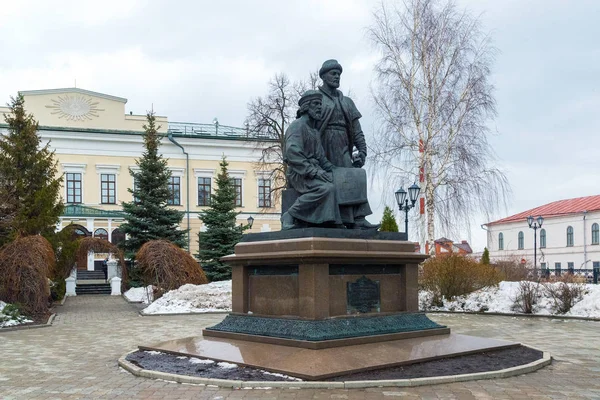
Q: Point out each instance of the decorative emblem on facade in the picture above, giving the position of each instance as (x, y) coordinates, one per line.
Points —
(75, 107)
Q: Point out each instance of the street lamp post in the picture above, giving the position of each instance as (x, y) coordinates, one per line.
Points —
(403, 204)
(535, 223)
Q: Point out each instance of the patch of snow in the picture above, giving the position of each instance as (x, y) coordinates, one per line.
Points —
(152, 352)
(291, 378)
(200, 361)
(501, 298)
(211, 297)
(140, 294)
(7, 320)
(589, 306)
(226, 365)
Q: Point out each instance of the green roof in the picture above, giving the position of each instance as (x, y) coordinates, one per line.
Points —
(76, 210)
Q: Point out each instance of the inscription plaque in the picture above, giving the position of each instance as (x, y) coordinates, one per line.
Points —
(362, 296)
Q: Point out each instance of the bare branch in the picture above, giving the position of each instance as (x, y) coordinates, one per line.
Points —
(434, 101)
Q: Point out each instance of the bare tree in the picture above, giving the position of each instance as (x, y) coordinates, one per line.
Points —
(435, 101)
(269, 117)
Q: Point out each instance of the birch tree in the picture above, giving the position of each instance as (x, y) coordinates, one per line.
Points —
(268, 118)
(435, 103)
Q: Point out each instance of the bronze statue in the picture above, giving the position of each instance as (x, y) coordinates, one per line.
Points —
(340, 132)
(308, 170)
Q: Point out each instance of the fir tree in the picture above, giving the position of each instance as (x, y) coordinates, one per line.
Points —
(222, 232)
(485, 257)
(388, 221)
(29, 181)
(148, 216)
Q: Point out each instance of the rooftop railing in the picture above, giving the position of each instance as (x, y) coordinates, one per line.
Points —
(195, 129)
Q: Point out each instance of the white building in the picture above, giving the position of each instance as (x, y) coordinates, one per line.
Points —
(568, 240)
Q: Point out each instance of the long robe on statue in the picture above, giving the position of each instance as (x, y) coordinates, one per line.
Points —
(304, 155)
(340, 132)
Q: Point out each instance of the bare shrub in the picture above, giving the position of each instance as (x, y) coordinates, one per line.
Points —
(456, 275)
(511, 269)
(97, 245)
(527, 297)
(25, 266)
(565, 293)
(166, 266)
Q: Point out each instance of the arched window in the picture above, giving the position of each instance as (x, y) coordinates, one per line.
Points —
(542, 239)
(569, 236)
(521, 240)
(500, 241)
(101, 233)
(78, 231)
(595, 233)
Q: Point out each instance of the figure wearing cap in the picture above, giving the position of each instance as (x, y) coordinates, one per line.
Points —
(308, 170)
(340, 132)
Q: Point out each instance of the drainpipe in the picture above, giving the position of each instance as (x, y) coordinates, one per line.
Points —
(187, 185)
(584, 241)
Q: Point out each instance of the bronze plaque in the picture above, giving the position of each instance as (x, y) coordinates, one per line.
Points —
(350, 185)
(362, 296)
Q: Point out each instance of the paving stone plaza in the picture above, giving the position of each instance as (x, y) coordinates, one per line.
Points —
(76, 358)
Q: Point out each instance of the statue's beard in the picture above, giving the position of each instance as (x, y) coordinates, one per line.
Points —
(314, 115)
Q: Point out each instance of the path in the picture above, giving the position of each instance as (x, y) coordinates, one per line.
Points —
(76, 358)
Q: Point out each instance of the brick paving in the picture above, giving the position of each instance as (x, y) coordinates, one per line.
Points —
(76, 358)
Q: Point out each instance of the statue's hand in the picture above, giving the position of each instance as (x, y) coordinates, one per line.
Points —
(325, 176)
(358, 159)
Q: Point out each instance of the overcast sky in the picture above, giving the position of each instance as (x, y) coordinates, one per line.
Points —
(196, 60)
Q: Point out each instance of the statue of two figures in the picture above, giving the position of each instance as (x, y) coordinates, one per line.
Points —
(322, 169)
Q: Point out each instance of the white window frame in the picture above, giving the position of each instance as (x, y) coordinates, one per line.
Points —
(239, 174)
(203, 173)
(264, 175)
(178, 172)
(109, 169)
(74, 168)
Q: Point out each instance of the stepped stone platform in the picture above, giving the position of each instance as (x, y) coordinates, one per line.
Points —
(319, 303)
(326, 363)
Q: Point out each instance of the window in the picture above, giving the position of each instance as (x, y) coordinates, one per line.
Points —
(571, 267)
(73, 188)
(500, 241)
(556, 269)
(521, 240)
(542, 239)
(204, 191)
(175, 191)
(237, 185)
(595, 234)
(101, 233)
(545, 270)
(570, 236)
(108, 188)
(264, 192)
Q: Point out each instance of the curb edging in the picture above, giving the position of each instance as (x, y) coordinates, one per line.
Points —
(572, 317)
(236, 384)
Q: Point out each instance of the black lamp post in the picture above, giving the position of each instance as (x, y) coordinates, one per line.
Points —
(250, 223)
(403, 205)
(535, 223)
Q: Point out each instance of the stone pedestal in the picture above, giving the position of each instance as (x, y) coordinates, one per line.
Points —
(318, 291)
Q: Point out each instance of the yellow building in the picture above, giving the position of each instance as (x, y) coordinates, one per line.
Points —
(96, 143)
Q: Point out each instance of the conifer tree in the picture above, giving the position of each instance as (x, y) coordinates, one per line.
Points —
(485, 257)
(29, 180)
(388, 221)
(222, 232)
(148, 216)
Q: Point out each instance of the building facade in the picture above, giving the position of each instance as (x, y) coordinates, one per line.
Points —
(568, 240)
(96, 144)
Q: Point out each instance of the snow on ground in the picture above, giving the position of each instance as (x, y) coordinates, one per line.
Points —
(216, 296)
(10, 320)
(211, 297)
(501, 298)
(140, 294)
